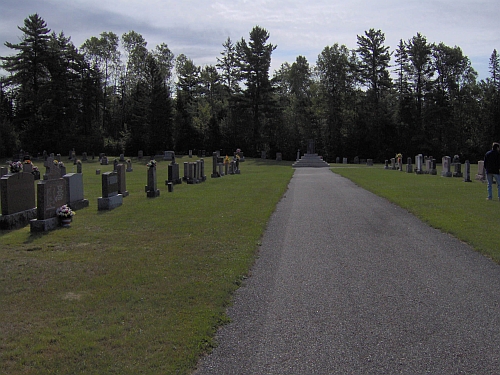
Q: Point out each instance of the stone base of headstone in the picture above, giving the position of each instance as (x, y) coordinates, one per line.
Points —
(78, 205)
(215, 175)
(17, 220)
(46, 225)
(109, 203)
(446, 174)
(129, 170)
(409, 168)
(153, 193)
(125, 193)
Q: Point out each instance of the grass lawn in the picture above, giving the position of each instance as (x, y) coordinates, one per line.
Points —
(143, 288)
(449, 204)
(138, 289)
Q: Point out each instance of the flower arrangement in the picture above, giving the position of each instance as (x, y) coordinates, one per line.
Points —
(16, 167)
(65, 212)
(226, 160)
(35, 168)
(27, 162)
(151, 164)
(399, 156)
(58, 163)
(79, 162)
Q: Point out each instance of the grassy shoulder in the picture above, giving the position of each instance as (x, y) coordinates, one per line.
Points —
(449, 204)
(141, 288)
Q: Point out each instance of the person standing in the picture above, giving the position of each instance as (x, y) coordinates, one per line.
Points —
(492, 167)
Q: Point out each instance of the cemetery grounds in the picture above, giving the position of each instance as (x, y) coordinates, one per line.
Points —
(142, 288)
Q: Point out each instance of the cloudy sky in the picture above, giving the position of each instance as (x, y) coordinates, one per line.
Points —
(198, 28)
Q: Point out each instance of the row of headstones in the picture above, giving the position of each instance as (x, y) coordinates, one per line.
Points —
(55, 190)
(356, 160)
(450, 167)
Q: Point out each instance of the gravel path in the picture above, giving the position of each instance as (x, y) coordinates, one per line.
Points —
(348, 283)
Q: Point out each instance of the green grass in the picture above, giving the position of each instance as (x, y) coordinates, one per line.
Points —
(138, 289)
(449, 204)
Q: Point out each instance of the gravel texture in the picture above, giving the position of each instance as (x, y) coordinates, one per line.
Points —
(348, 283)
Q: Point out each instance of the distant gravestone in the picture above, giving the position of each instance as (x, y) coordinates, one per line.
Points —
(467, 172)
(104, 160)
(122, 187)
(310, 146)
(150, 188)
(129, 166)
(369, 162)
(215, 173)
(419, 164)
(173, 173)
(84, 156)
(168, 155)
(480, 171)
(446, 162)
(140, 155)
(122, 158)
(279, 156)
(110, 197)
(262, 154)
(409, 165)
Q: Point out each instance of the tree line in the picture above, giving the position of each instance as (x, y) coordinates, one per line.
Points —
(114, 95)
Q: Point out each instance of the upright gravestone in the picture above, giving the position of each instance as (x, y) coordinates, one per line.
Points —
(150, 188)
(467, 172)
(215, 173)
(446, 172)
(369, 162)
(419, 159)
(129, 165)
(104, 160)
(262, 154)
(140, 155)
(18, 200)
(74, 191)
(279, 156)
(480, 171)
(122, 158)
(393, 164)
(409, 165)
(51, 194)
(122, 185)
(84, 156)
(110, 197)
(457, 167)
(311, 146)
(173, 172)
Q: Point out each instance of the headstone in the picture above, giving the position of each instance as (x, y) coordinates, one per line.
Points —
(419, 164)
(337, 160)
(78, 167)
(262, 154)
(51, 194)
(279, 156)
(386, 165)
(170, 187)
(129, 165)
(190, 153)
(150, 188)
(298, 155)
(344, 160)
(393, 164)
(446, 172)
(110, 197)
(409, 165)
(168, 155)
(481, 175)
(122, 158)
(369, 162)
(17, 192)
(122, 186)
(115, 163)
(140, 155)
(84, 156)
(457, 167)
(51, 169)
(104, 160)
(467, 172)
(74, 191)
(97, 171)
(356, 160)
(215, 173)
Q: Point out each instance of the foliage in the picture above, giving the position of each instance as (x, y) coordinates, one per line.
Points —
(116, 95)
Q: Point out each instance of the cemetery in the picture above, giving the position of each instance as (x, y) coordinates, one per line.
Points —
(164, 250)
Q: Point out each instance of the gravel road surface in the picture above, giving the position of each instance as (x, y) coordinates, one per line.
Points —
(348, 283)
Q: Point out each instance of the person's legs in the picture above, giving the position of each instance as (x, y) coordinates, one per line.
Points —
(497, 179)
(489, 177)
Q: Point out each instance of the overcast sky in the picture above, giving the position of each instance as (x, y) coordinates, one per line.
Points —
(198, 28)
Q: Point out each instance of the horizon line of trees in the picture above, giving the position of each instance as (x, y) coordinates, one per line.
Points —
(114, 95)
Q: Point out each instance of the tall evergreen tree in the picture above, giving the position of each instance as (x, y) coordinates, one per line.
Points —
(255, 60)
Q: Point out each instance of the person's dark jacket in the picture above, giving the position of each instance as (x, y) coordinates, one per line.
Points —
(492, 162)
